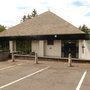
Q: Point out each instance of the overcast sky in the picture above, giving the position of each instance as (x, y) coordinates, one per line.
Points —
(76, 12)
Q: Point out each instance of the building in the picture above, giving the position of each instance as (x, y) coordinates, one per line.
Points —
(49, 36)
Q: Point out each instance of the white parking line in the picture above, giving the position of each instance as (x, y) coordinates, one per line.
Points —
(23, 78)
(10, 66)
(81, 80)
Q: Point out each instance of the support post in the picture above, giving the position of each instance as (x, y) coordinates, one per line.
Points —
(13, 59)
(69, 60)
(36, 58)
(12, 49)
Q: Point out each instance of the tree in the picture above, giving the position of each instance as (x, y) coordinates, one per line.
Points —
(34, 13)
(85, 29)
(2, 28)
(26, 17)
(29, 16)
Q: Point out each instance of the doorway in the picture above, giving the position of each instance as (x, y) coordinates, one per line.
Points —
(70, 46)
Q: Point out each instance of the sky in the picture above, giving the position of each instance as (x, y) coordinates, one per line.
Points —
(77, 12)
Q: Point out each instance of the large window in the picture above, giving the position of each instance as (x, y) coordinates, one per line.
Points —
(70, 46)
(23, 46)
(4, 45)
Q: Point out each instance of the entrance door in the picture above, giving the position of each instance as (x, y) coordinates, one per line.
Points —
(69, 46)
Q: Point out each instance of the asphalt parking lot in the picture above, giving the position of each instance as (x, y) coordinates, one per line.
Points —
(47, 75)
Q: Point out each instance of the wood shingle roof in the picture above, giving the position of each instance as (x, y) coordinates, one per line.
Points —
(44, 24)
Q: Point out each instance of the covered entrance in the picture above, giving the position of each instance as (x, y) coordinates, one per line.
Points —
(70, 46)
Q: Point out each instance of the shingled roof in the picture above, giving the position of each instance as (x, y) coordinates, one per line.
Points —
(44, 24)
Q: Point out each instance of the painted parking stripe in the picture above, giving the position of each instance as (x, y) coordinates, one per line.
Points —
(81, 81)
(10, 67)
(6, 85)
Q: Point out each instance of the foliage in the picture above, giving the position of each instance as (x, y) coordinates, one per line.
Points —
(2, 28)
(85, 29)
(23, 46)
(34, 13)
(4, 45)
(29, 16)
(26, 17)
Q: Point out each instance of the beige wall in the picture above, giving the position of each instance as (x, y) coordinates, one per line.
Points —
(35, 46)
(86, 53)
(38, 47)
(53, 50)
(42, 49)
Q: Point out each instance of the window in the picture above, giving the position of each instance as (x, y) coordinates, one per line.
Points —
(4, 45)
(50, 42)
(24, 46)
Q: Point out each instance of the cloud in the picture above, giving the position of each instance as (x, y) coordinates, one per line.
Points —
(78, 3)
(81, 3)
(22, 7)
(87, 14)
(74, 11)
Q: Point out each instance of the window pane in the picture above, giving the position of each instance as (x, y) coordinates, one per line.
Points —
(50, 42)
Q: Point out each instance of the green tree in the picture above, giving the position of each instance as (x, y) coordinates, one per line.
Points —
(2, 28)
(29, 16)
(34, 13)
(26, 17)
(85, 29)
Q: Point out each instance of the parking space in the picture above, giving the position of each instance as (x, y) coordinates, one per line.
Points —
(5, 64)
(86, 83)
(47, 75)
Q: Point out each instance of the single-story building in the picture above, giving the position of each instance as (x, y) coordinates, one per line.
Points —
(49, 36)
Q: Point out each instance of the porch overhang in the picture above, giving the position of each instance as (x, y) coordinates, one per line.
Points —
(49, 37)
